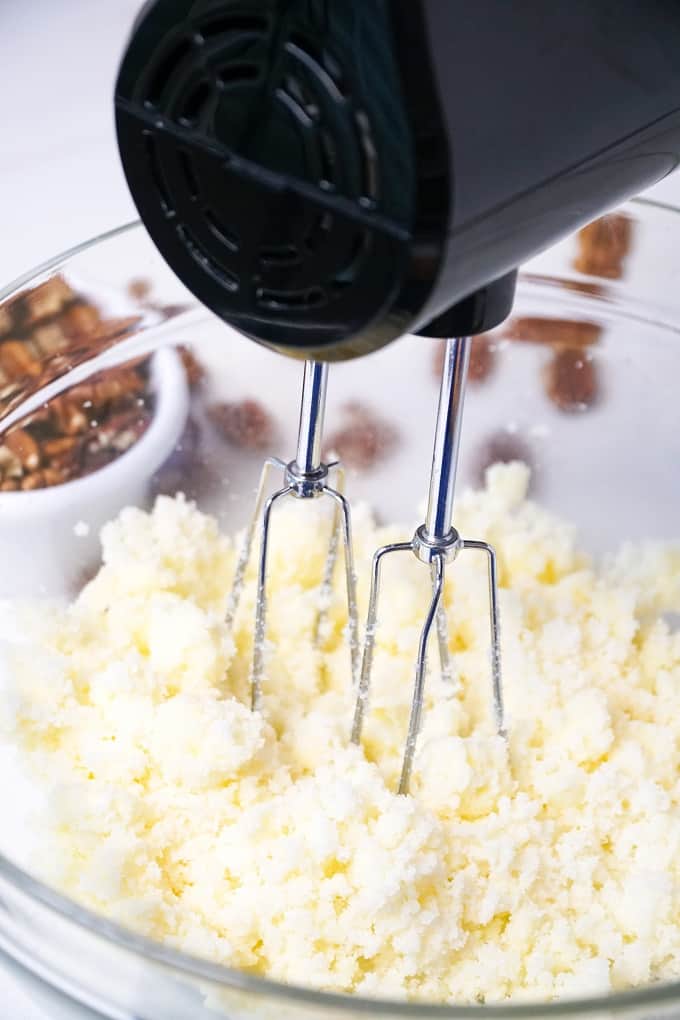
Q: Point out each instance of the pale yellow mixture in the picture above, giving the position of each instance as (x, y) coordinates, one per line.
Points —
(548, 867)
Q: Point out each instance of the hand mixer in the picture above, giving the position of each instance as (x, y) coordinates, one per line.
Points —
(327, 175)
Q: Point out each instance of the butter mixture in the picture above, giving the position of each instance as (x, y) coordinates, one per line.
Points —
(547, 867)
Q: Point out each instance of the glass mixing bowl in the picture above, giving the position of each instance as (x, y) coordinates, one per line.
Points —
(582, 383)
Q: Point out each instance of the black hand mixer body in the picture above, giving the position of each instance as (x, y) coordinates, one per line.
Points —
(327, 175)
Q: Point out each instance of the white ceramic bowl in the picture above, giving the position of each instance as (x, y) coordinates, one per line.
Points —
(49, 537)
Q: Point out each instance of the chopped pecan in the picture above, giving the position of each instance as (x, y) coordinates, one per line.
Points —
(37, 418)
(571, 380)
(55, 475)
(10, 465)
(115, 329)
(364, 439)
(139, 289)
(6, 319)
(49, 337)
(482, 358)
(69, 419)
(36, 480)
(80, 322)
(125, 382)
(18, 361)
(46, 300)
(24, 447)
(192, 366)
(63, 453)
(246, 424)
(554, 332)
(125, 428)
(603, 246)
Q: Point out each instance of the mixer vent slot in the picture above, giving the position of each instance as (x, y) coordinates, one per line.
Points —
(361, 244)
(222, 233)
(301, 96)
(235, 24)
(328, 155)
(274, 256)
(195, 104)
(157, 173)
(303, 43)
(292, 300)
(238, 74)
(333, 68)
(320, 64)
(165, 70)
(223, 276)
(189, 175)
(369, 152)
(324, 61)
(319, 232)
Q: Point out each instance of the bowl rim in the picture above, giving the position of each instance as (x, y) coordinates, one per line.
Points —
(262, 987)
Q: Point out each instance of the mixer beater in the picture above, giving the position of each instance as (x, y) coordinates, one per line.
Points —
(435, 543)
(305, 477)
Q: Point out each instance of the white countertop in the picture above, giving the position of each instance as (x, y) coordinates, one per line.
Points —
(60, 178)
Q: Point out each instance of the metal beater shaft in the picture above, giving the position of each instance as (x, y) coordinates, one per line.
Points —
(435, 542)
(306, 477)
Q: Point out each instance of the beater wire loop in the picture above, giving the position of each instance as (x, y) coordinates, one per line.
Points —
(435, 543)
(304, 478)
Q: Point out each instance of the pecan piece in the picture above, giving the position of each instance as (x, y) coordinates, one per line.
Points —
(192, 366)
(603, 246)
(80, 322)
(63, 453)
(571, 380)
(46, 300)
(18, 361)
(54, 476)
(24, 447)
(112, 386)
(10, 465)
(364, 440)
(6, 319)
(35, 480)
(246, 424)
(139, 289)
(48, 337)
(68, 418)
(482, 358)
(554, 332)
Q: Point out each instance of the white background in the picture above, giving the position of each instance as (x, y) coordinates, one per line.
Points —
(60, 179)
